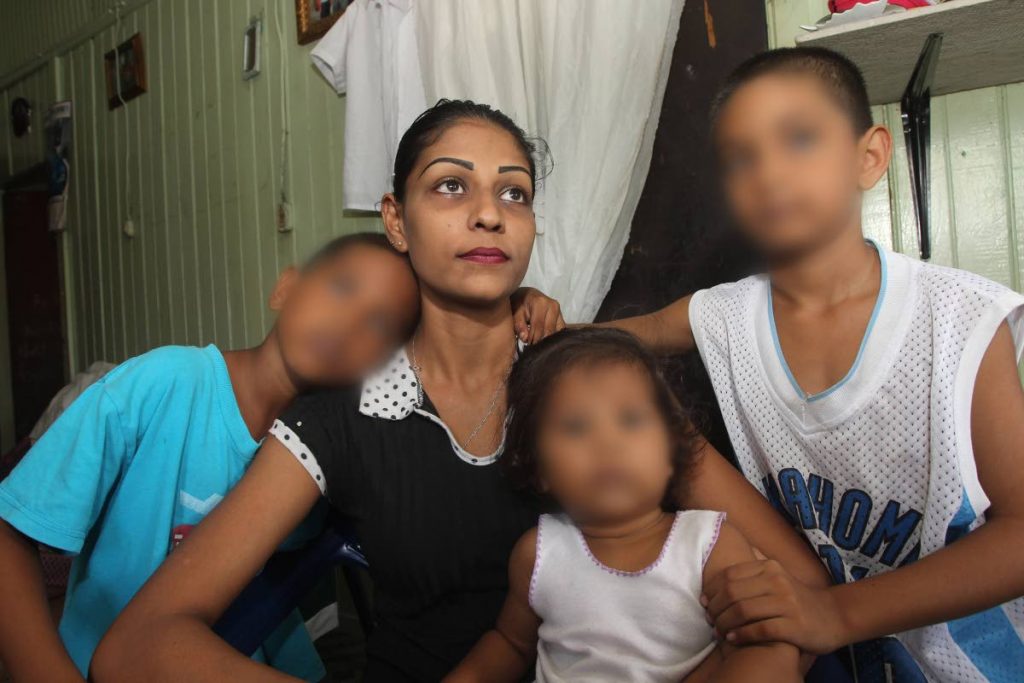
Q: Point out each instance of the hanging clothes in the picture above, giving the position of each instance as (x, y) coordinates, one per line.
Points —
(588, 76)
(370, 55)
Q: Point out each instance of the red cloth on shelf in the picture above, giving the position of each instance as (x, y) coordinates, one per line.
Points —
(837, 6)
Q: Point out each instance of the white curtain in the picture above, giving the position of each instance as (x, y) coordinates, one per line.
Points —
(588, 76)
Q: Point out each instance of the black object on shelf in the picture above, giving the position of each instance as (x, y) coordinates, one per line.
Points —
(916, 108)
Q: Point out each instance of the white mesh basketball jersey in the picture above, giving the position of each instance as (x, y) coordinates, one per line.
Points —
(878, 470)
(602, 624)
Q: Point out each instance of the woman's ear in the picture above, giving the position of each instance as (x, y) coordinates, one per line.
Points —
(283, 288)
(876, 150)
(394, 228)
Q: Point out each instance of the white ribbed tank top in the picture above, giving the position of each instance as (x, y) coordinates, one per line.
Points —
(602, 624)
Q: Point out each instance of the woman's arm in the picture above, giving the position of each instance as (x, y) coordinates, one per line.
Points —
(506, 652)
(717, 485)
(666, 332)
(30, 647)
(769, 662)
(164, 632)
(767, 605)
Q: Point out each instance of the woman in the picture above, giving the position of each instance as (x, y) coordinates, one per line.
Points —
(409, 457)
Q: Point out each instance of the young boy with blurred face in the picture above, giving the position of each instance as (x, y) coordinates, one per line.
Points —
(148, 450)
(872, 398)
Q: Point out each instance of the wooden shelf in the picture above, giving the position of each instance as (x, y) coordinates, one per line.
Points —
(982, 46)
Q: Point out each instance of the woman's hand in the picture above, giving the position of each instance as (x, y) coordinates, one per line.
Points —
(760, 602)
(536, 315)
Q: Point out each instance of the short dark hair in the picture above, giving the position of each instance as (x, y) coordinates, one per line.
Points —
(839, 74)
(544, 363)
(339, 245)
(431, 124)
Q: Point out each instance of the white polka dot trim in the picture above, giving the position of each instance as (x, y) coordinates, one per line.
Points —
(290, 440)
(394, 393)
(391, 393)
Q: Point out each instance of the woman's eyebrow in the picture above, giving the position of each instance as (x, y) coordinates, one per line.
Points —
(506, 169)
(451, 160)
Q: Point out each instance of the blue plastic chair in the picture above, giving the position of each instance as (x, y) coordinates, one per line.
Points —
(284, 581)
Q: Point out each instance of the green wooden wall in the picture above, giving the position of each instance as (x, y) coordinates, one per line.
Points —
(977, 161)
(199, 163)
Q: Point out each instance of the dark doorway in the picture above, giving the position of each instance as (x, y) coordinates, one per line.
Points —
(680, 239)
(35, 312)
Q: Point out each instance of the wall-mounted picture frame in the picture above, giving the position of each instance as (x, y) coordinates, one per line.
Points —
(251, 48)
(313, 18)
(125, 71)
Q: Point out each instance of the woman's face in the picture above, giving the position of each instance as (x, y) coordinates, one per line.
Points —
(467, 215)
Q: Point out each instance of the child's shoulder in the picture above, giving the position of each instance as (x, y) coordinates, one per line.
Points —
(940, 282)
(163, 367)
(728, 293)
(712, 311)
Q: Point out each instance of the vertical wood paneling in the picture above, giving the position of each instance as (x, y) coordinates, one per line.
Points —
(977, 171)
(40, 25)
(196, 162)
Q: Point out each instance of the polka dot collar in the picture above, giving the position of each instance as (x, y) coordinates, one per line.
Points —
(391, 393)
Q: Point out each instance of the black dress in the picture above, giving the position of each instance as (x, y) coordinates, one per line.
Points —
(436, 523)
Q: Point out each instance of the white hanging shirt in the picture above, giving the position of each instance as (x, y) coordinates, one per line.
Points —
(371, 55)
(603, 624)
(879, 469)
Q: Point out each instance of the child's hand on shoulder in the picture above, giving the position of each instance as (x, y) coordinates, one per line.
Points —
(536, 315)
(760, 602)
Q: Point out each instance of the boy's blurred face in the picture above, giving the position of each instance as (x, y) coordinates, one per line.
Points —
(791, 162)
(346, 315)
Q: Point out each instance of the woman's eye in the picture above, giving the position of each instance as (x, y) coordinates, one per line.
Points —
(514, 194)
(451, 186)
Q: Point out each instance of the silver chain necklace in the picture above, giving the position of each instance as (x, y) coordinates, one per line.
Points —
(491, 406)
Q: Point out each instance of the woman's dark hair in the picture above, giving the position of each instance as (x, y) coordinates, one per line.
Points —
(541, 366)
(839, 74)
(431, 124)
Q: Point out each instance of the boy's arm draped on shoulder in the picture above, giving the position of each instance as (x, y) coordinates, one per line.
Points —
(666, 331)
(535, 315)
(172, 614)
(770, 662)
(918, 594)
(506, 652)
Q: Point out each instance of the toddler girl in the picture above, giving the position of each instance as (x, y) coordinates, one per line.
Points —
(608, 588)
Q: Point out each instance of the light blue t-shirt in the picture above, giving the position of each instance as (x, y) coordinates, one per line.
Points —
(120, 478)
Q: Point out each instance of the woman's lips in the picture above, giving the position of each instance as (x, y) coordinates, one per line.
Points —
(488, 255)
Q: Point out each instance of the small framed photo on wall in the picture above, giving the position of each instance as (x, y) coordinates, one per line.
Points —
(125, 70)
(313, 18)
